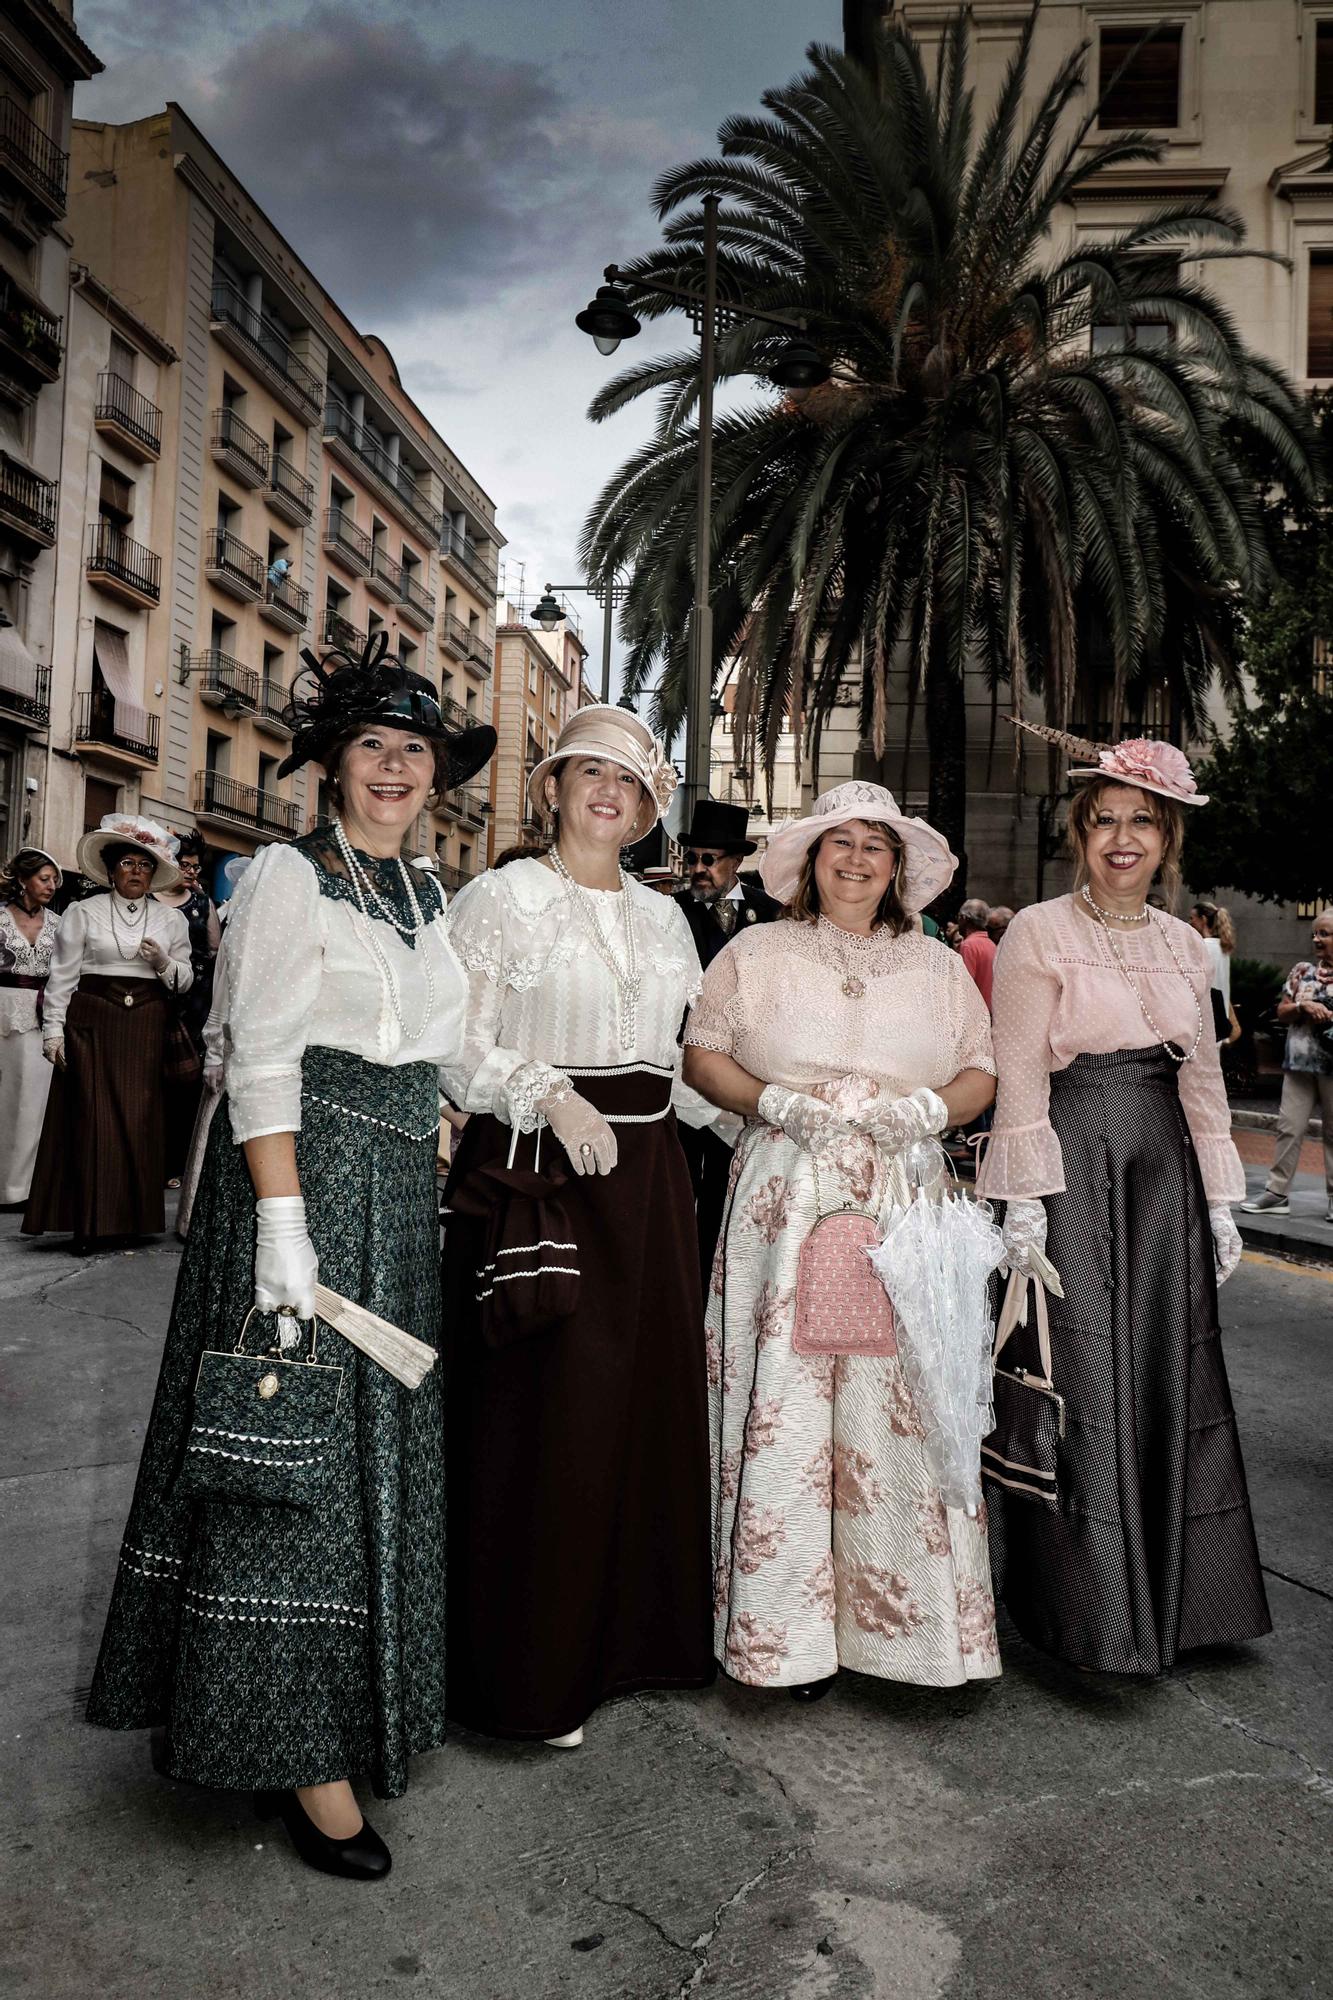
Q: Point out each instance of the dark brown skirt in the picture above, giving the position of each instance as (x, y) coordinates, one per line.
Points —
(99, 1164)
(577, 1461)
(1151, 1551)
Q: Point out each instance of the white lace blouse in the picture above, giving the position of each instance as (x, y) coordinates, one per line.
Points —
(18, 1004)
(543, 1000)
(301, 973)
(102, 936)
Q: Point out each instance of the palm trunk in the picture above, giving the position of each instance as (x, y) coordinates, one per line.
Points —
(946, 740)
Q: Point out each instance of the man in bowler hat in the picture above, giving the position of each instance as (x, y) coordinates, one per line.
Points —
(717, 904)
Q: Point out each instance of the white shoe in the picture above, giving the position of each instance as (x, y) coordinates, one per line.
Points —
(570, 1742)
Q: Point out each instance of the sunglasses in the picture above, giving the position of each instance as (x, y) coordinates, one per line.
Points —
(704, 860)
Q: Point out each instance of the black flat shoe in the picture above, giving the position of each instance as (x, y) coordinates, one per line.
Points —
(808, 1691)
(362, 1858)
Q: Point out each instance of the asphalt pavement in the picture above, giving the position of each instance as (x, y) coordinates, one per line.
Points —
(1052, 1834)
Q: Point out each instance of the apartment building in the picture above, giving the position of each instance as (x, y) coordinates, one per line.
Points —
(42, 57)
(1240, 93)
(302, 500)
(538, 676)
(737, 780)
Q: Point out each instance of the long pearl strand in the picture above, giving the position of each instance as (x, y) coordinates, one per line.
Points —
(1132, 983)
(626, 976)
(360, 883)
(368, 891)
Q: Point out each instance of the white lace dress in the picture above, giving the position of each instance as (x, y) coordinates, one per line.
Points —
(25, 1074)
(832, 1545)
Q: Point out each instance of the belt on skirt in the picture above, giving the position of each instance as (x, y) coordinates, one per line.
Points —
(121, 992)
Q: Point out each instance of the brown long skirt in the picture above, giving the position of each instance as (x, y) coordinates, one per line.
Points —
(99, 1163)
(576, 1461)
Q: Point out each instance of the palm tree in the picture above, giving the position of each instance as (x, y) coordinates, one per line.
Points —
(979, 479)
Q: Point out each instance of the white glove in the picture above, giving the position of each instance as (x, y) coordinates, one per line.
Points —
(1227, 1246)
(54, 1051)
(583, 1132)
(727, 1126)
(213, 1079)
(814, 1126)
(151, 952)
(1024, 1230)
(900, 1123)
(286, 1266)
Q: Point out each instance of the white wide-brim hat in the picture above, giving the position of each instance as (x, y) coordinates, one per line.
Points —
(618, 735)
(928, 864)
(130, 830)
(47, 860)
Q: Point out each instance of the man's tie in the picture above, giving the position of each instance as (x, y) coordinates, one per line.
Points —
(725, 912)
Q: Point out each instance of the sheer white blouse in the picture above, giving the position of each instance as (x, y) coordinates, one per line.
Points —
(543, 1000)
(301, 972)
(95, 936)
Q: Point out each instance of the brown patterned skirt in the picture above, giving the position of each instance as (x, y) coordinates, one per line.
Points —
(99, 1165)
(577, 1460)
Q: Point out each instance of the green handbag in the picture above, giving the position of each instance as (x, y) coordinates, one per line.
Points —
(263, 1428)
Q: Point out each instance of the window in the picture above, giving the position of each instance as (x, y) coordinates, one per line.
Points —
(532, 677)
(1319, 316)
(1323, 73)
(407, 654)
(121, 359)
(1147, 330)
(222, 634)
(275, 679)
(268, 774)
(282, 443)
(1147, 91)
(115, 500)
(100, 799)
(217, 753)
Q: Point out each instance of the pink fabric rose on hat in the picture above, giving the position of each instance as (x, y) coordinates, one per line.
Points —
(1141, 760)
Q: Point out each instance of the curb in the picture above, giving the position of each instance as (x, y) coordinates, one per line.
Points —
(1286, 1234)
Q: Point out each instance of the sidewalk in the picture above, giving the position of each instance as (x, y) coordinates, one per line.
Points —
(1303, 1233)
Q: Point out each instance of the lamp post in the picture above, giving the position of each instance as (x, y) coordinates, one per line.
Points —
(610, 318)
(548, 614)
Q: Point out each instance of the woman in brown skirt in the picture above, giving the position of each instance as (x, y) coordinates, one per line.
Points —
(117, 958)
(576, 1402)
(1112, 1151)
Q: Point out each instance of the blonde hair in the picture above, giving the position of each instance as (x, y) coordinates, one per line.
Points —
(1166, 815)
(1219, 924)
(804, 905)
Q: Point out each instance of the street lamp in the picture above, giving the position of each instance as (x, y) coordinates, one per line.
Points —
(547, 613)
(798, 367)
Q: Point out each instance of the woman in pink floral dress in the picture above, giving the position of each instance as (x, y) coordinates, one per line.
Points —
(843, 1035)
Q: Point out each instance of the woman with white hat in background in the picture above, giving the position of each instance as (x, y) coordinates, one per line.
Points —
(577, 1450)
(105, 1018)
(28, 931)
(844, 1036)
(1112, 1151)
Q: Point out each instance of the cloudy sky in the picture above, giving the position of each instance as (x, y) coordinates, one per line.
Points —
(457, 172)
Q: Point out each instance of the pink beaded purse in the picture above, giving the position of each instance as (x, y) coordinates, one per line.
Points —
(841, 1305)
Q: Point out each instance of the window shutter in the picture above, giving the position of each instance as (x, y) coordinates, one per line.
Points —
(1323, 73)
(1148, 91)
(1319, 318)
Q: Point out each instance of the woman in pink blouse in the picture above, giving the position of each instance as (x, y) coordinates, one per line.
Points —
(1112, 1151)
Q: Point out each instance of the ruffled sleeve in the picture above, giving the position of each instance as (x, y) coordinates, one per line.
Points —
(715, 1018)
(1023, 1158)
(275, 962)
(487, 1076)
(1203, 1094)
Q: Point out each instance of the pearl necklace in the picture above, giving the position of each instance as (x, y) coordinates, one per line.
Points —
(136, 940)
(1114, 916)
(386, 972)
(1126, 974)
(626, 976)
(367, 891)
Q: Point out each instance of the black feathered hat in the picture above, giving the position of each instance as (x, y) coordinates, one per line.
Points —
(339, 691)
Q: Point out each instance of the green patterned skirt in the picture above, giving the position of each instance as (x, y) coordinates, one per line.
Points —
(281, 1646)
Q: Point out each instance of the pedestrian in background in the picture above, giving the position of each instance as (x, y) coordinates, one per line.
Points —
(998, 922)
(191, 1008)
(975, 947)
(1214, 925)
(119, 959)
(28, 931)
(1112, 1133)
(1306, 1011)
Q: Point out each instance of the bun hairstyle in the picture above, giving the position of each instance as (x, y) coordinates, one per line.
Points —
(1083, 810)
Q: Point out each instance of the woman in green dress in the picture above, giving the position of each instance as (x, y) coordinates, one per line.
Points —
(289, 1651)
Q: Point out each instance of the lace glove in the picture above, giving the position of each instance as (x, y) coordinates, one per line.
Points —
(812, 1125)
(286, 1266)
(896, 1125)
(1024, 1230)
(581, 1129)
(1227, 1246)
(54, 1051)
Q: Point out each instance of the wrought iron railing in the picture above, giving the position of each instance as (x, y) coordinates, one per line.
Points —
(30, 327)
(102, 719)
(220, 674)
(339, 423)
(455, 634)
(231, 433)
(29, 149)
(27, 496)
(384, 566)
(284, 478)
(224, 798)
(288, 596)
(112, 553)
(268, 342)
(272, 703)
(335, 630)
(455, 879)
(411, 592)
(26, 692)
(464, 552)
(119, 402)
(236, 558)
(341, 532)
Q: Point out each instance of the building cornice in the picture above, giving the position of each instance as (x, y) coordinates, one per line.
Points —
(1174, 182)
(48, 30)
(82, 280)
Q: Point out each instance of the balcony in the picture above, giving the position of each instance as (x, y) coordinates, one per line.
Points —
(116, 732)
(237, 449)
(255, 338)
(30, 347)
(289, 492)
(285, 604)
(234, 567)
(479, 654)
(25, 695)
(365, 454)
(454, 879)
(346, 543)
(271, 709)
(454, 636)
(455, 714)
(386, 576)
(468, 560)
(31, 159)
(218, 797)
(416, 604)
(335, 630)
(223, 682)
(128, 418)
(123, 568)
(467, 805)
(27, 503)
